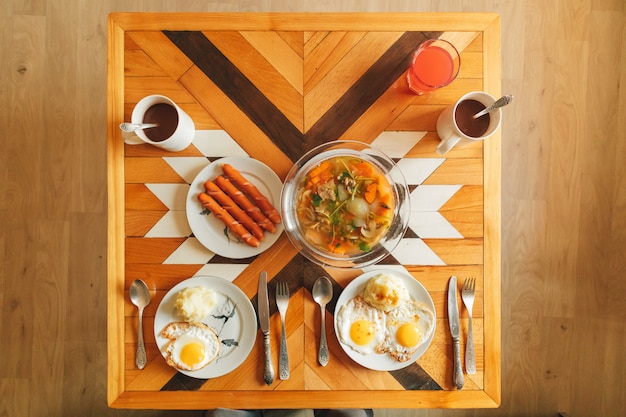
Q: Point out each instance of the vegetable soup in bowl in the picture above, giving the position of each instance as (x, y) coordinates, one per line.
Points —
(345, 204)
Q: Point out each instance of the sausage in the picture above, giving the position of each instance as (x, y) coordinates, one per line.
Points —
(264, 204)
(240, 198)
(209, 203)
(227, 203)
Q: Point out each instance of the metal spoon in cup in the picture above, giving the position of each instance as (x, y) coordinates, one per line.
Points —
(501, 102)
(140, 296)
(131, 127)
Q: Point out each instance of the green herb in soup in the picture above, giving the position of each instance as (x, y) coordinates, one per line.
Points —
(345, 205)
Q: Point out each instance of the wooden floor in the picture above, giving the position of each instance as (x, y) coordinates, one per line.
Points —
(563, 208)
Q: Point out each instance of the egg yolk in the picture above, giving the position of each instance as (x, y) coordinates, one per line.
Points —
(192, 353)
(362, 332)
(408, 335)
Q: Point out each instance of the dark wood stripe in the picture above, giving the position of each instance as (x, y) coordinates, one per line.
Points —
(240, 90)
(181, 382)
(376, 80)
(217, 259)
(410, 234)
(414, 377)
(297, 273)
(291, 274)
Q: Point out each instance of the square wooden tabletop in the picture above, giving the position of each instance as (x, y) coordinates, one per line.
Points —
(270, 87)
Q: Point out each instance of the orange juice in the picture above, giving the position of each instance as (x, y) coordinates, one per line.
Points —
(435, 64)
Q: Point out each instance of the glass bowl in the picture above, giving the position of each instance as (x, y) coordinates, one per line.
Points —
(396, 219)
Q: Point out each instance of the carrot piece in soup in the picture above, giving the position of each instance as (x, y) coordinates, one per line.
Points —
(337, 247)
(370, 193)
(326, 176)
(384, 188)
(385, 205)
(363, 169)
(319, 169)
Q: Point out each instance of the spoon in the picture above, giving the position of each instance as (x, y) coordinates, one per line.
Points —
(322, 294)
(501, 102)
(140, 296)
(131, 127)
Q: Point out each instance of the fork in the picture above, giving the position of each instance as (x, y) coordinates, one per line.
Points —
(467, 294)
(282, 302)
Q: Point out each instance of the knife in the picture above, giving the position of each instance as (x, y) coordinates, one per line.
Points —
(453, 318)
(264, 322)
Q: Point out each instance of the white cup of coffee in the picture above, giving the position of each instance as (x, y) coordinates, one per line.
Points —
(457, 127)
(175, 130)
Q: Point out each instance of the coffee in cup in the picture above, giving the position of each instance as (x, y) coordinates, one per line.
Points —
(175, 130)
(165, 116)
(464, 118)
(456, 125)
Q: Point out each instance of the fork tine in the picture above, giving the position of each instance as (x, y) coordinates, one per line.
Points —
(469, 284)
(282, 289)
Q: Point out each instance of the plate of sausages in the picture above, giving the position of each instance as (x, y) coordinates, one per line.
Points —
(231, 207)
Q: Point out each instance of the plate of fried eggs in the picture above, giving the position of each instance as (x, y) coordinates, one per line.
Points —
(205, 327)
(385, 320)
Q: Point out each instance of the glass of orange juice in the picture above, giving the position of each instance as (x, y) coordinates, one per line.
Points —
(435, 64)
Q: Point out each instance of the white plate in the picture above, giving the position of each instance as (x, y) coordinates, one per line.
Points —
(383, 361)
(209, 230)
(240, 328)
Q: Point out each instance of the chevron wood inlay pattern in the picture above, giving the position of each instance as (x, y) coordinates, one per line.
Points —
(273, 95)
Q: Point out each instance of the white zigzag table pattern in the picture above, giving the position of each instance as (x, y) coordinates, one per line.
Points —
(426, 200)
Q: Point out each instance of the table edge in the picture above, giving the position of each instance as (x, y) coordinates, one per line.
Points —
(202, 400)
(115, 211)
(492, 198)
(119, 23)
(421, 21)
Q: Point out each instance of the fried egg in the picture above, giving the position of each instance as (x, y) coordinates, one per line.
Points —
(407, 327)
(192, 345)
(361, 326)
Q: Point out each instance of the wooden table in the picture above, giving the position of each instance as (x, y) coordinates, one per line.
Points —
(271, 86)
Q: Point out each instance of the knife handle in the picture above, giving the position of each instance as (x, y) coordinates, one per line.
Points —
(457, 372)
(268, 373)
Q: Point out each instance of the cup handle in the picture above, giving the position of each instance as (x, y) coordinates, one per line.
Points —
(448, 143)
(131, 138)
